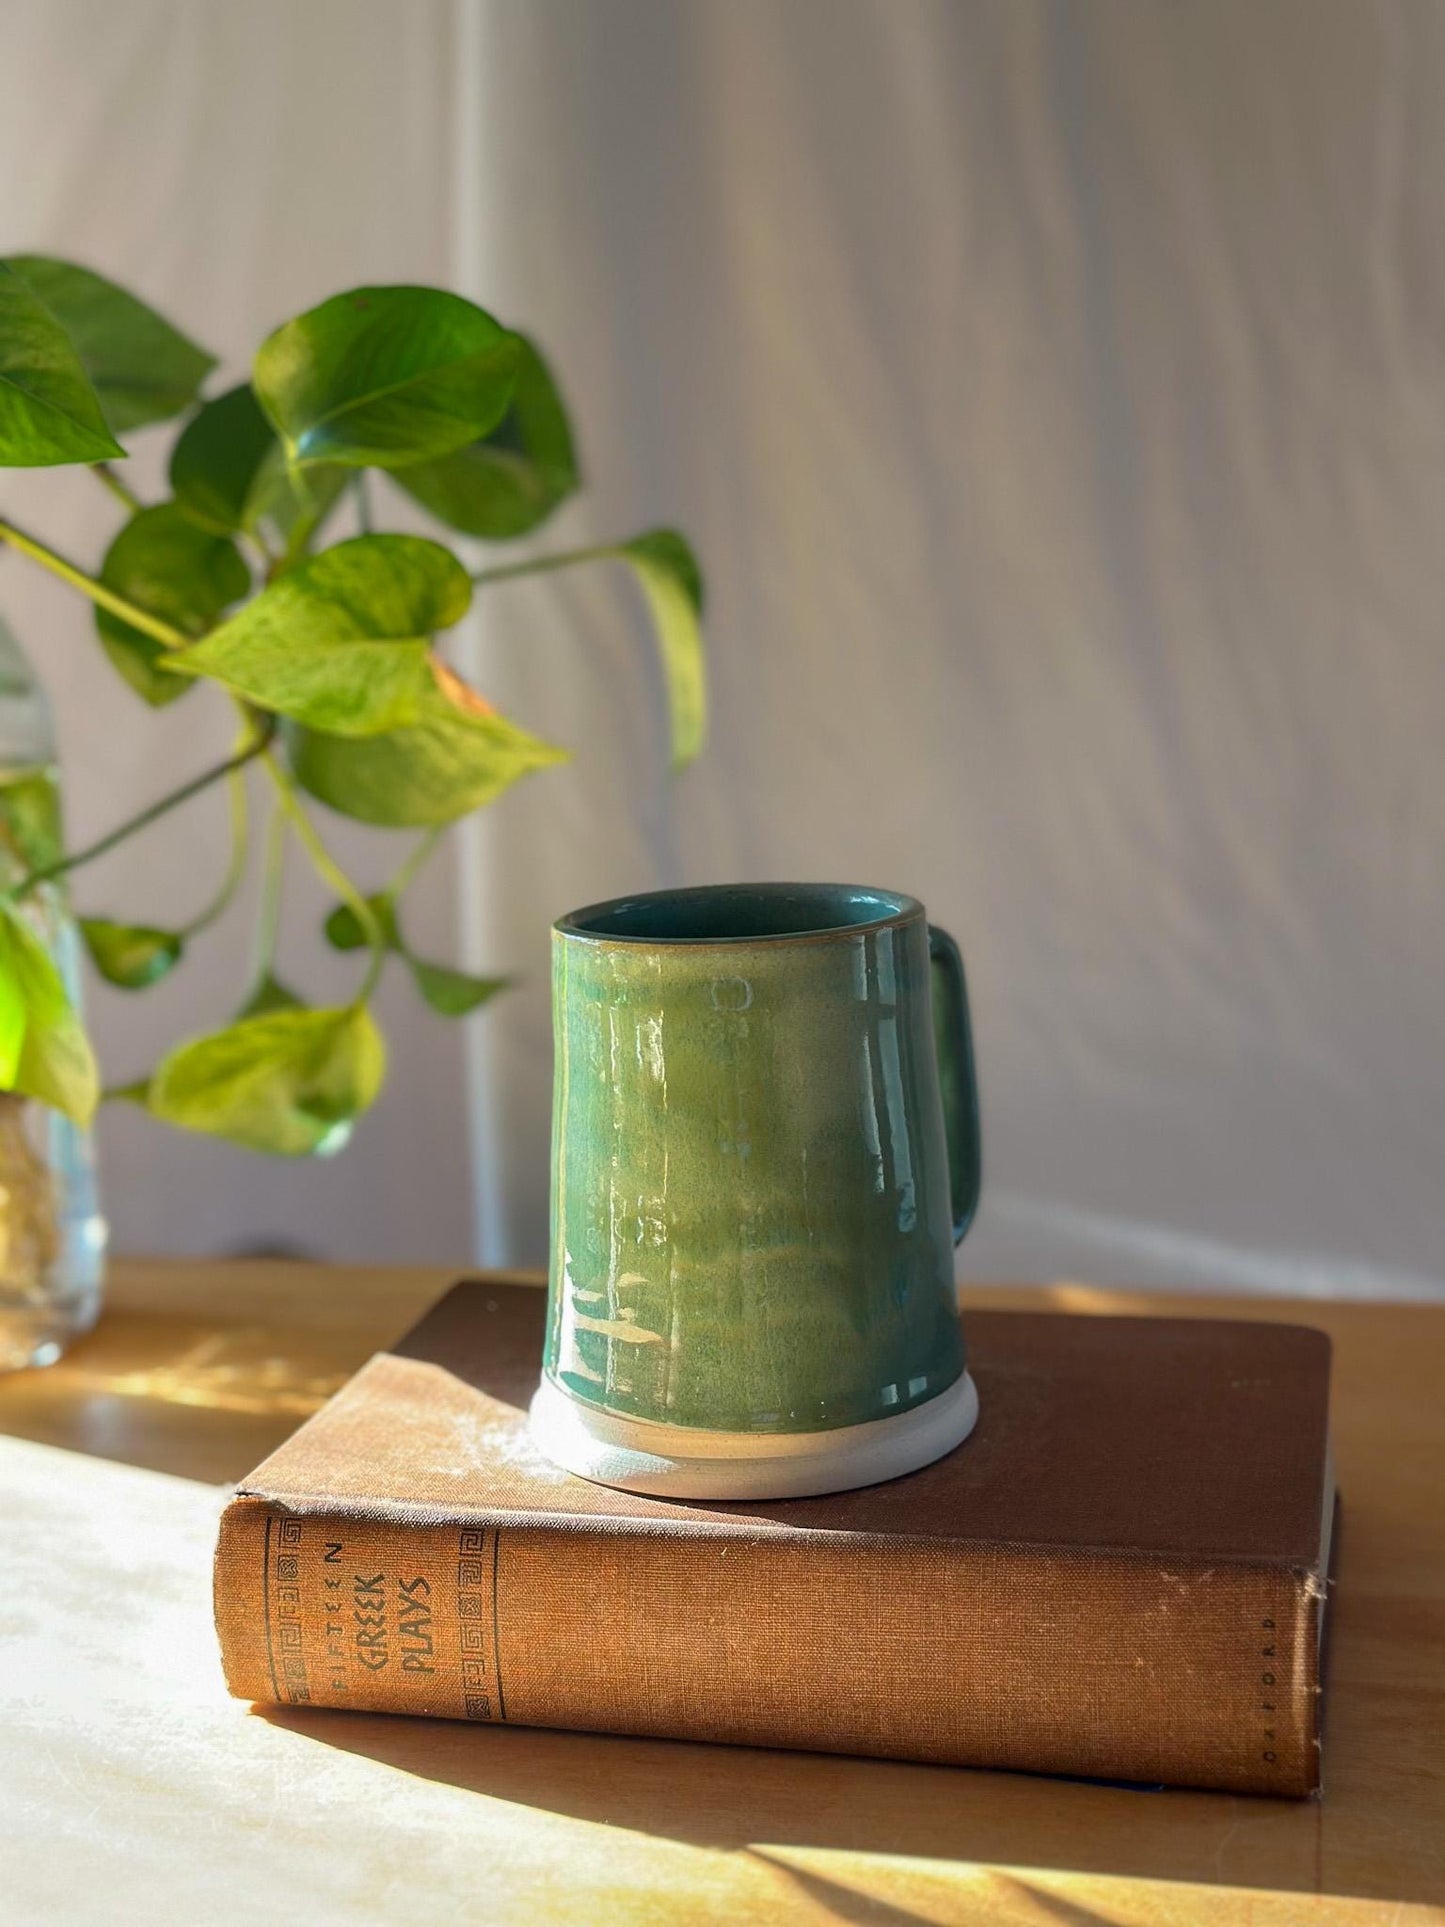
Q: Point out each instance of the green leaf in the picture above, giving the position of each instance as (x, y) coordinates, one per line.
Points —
(452, 993)
(508, 482)
(672, 583)
(46, 1054)
(13, 1017)
(30, 832)
(133, 956)
(458, 755)
(269, 994)
(167, 565)
(292, 1082)
(142, 368)
(340, 642)
(48, 410)
(386, 376)
(343, 930)
(229, 472)
(215, 461)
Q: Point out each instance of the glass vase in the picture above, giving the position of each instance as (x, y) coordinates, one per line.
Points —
(52, 1235)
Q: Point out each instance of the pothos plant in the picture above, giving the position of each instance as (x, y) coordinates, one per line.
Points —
(324, 643)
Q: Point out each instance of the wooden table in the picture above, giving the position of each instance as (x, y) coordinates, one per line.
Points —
(135, 1791)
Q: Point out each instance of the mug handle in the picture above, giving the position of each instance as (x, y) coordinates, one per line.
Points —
(953, 1039)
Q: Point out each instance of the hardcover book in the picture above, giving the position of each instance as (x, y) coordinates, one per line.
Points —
(1122, 1574)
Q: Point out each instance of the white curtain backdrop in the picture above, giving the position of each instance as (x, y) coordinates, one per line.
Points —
(1056, 396)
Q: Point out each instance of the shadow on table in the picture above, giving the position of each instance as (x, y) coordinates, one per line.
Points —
(736, 1798)
(1023, 1900)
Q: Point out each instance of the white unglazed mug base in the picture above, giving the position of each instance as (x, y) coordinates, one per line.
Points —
(683, 1462)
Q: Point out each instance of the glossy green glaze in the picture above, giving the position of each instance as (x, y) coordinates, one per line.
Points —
(752, 1215)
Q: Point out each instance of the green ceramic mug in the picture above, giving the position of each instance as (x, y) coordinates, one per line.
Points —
(765, 1147)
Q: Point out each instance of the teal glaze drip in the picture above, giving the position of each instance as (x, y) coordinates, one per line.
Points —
(752, 1211)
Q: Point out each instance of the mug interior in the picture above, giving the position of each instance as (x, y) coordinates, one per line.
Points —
(739, 913)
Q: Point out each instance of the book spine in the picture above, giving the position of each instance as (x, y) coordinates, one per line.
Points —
(1094, 1664)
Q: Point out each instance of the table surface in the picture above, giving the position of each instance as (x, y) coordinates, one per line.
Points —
(136, 1790)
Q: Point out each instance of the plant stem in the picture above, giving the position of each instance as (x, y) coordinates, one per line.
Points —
(264, 555)
(273, 878)
(88, 586)
(308, 520)
(330, 871)
(145, 817)
(539, 565)
(302, 531)
(107, 476)
(419, 854)
(236, 866)
(136, 1092)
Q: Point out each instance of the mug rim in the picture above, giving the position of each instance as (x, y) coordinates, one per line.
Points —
(573, 926)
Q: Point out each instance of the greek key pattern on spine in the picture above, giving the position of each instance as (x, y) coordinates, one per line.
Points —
(478, 1556)
(285, 1604)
